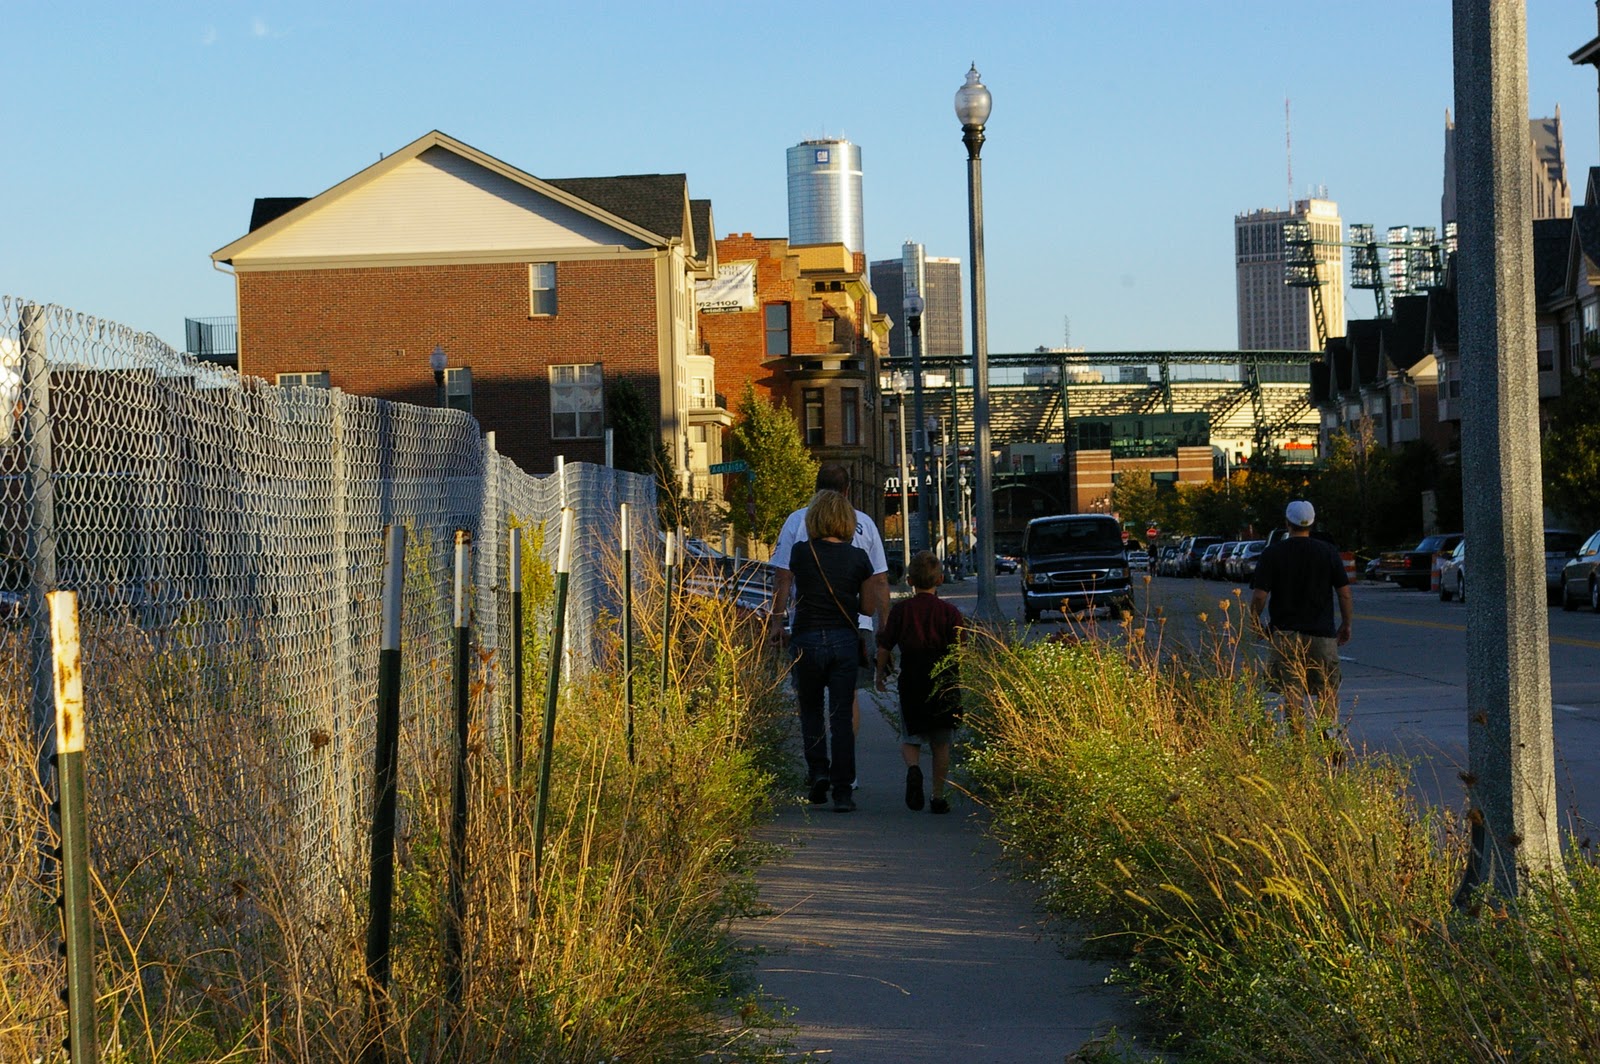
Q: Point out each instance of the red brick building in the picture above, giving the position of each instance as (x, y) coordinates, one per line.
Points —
(542, 295)
(801, 323)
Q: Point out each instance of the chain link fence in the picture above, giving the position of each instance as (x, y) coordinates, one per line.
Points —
(236, 528)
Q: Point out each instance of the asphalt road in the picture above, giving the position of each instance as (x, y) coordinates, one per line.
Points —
(1405, 678)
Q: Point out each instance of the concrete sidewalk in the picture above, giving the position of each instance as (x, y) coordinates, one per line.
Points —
(895, 938)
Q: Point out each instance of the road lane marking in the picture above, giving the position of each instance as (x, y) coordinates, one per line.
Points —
(1562, 640)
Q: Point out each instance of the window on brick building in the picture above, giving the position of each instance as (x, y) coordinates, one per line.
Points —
(318, 379)
(777, 322)
(541, 289)
(850, 416)
(815, 435)
(458, 388)
(577, 402)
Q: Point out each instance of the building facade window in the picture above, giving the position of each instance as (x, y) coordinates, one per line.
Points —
(812, 401)
(577, 402)
(317, 379)
(850, 416)
(458, 388)
(777, 327)
(700, 393)
(541, 289)
(1547, 348)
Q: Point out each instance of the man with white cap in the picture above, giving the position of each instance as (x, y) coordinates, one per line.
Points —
(1297, 582)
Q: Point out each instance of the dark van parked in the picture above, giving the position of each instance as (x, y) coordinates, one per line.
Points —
(1073, 562)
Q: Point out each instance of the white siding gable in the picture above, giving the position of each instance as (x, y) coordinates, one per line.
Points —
(437, 204)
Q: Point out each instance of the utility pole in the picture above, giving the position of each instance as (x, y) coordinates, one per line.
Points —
(1510, 748)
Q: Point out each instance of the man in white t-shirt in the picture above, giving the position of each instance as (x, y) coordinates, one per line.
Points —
(874, 593)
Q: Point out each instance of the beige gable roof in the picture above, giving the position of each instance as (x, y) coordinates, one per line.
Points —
(435, 199)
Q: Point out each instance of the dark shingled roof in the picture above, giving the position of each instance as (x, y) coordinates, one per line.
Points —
(700, 220)
(655, 202)
(1407, 340)
(1339, 360)
(271, 208)
(1586, 220)
(1552, 239)
(1365, 337)
(1321, 386)
(1442, 317)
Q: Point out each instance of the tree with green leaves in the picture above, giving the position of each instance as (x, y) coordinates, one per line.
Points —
(1133, 497)
(1571, 451)
(782, 474)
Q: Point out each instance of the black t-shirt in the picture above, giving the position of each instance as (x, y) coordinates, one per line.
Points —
(1299, 575)
(846, 567)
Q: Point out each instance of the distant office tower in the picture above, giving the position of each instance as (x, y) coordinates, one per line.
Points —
(939, 281)
(1274, 316)
(825, 194)
(1547, 170)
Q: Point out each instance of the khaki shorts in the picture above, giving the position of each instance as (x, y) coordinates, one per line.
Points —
(1304, 662)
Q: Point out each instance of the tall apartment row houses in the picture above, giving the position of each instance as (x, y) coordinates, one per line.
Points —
(543, 295)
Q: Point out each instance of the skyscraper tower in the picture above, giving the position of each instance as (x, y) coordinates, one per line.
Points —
(825, 194)
(938, 281)
(1274, 316)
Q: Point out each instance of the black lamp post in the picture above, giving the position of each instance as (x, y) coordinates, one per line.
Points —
(972, 110)
(919, 439)
(437, 361)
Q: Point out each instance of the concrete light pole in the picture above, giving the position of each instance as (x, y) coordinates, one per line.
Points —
(1510, 746)
(972, 110)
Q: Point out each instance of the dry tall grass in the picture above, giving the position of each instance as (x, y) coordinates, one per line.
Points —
(208, 950)
(1273, 895)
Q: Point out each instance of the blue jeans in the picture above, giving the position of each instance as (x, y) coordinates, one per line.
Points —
(825, 667)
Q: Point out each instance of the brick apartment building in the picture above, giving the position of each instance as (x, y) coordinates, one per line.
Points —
(803, 326)
(542, 294)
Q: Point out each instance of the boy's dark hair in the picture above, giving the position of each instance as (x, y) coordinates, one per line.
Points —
(832, 476)
(925, 570)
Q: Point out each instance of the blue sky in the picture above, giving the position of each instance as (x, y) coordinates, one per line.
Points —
(1124, 137)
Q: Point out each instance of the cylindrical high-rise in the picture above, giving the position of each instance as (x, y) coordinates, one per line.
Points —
(825, 194)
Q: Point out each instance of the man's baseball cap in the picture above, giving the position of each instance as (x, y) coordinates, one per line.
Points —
(1300, 514)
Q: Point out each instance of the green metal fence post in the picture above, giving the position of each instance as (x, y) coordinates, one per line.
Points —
(627, 628)
(380, 880)
(552, 690)
(514, 574)
(82, 1044)
(670, 574)
(456, 901)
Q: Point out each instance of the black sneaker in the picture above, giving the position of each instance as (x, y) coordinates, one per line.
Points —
(939, 805)
(914, 787)
(819, 791)
(842, 802)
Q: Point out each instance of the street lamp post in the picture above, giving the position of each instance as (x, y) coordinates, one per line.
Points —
(972, 111)
(913, 307)
(437, 362)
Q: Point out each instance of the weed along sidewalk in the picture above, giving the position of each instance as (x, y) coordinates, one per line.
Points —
(894, 937)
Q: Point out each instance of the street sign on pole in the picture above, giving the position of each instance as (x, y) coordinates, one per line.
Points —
(737, 466)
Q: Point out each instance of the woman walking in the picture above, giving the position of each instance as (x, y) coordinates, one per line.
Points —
(828, 576)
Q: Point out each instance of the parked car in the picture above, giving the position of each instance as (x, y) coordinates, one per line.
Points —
(1210, 557)
(1414, 567)
(1558, 547)
(1190, 551)
(1072, 562)
(1580, 577)
(1005, 563)
(1453, 574)
(1247, 558)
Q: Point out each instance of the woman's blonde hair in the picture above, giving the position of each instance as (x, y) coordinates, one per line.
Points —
(830, 515)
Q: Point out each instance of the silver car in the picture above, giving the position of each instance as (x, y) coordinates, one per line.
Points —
(1453, 574)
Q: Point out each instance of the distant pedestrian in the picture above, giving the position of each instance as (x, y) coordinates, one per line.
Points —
(1297, 581)
(926, 629)
(832, 476)
(831, 579)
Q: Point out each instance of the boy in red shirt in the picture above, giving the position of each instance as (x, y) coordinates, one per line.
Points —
(926, 629)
